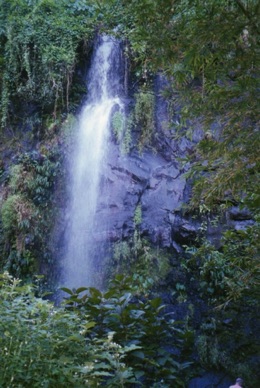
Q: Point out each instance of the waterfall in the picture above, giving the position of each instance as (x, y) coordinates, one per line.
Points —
(88, 161)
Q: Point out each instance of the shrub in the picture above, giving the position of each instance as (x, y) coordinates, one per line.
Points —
(39, 345)
(152, 342)
(107, 339)
(17, 214)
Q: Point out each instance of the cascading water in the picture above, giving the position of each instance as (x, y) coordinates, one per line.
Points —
(86, 167)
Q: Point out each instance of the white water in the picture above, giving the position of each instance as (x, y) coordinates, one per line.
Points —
(87, 163)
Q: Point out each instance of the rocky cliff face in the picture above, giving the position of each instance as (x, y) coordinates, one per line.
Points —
(154, 180)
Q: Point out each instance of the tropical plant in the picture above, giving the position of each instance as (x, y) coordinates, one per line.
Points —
(109, 339)
(39, 344)
(38, 49)
(152, 340)
(25, 216)
(229, 273)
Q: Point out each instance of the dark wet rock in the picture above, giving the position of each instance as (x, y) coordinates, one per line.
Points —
(184, 231)
(237, 214)
(148, 180)
(210, 380)
(239, 218)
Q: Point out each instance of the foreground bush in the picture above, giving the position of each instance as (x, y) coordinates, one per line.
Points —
(94, 339)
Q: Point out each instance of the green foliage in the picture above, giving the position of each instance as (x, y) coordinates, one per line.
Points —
(39, 344)
(127, 141)
(139, 328)
(144, 117)
(147, 26)
(25, 211)
(219, 55)
(39, 42)
(232, 272)
(109, 339)
(228, 348)
(210, 53)
(138, 215)
(39, 176)
(122, 127)
(17, 215)
(210, 353)
(118, 125)
(227, 278)
(147, 266)
(181, 291)
(9, 213)
(141, 118)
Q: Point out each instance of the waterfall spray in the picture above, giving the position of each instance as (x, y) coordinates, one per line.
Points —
(88, 161)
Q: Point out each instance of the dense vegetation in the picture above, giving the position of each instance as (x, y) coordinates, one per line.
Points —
(210, 53)
(95, 339)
